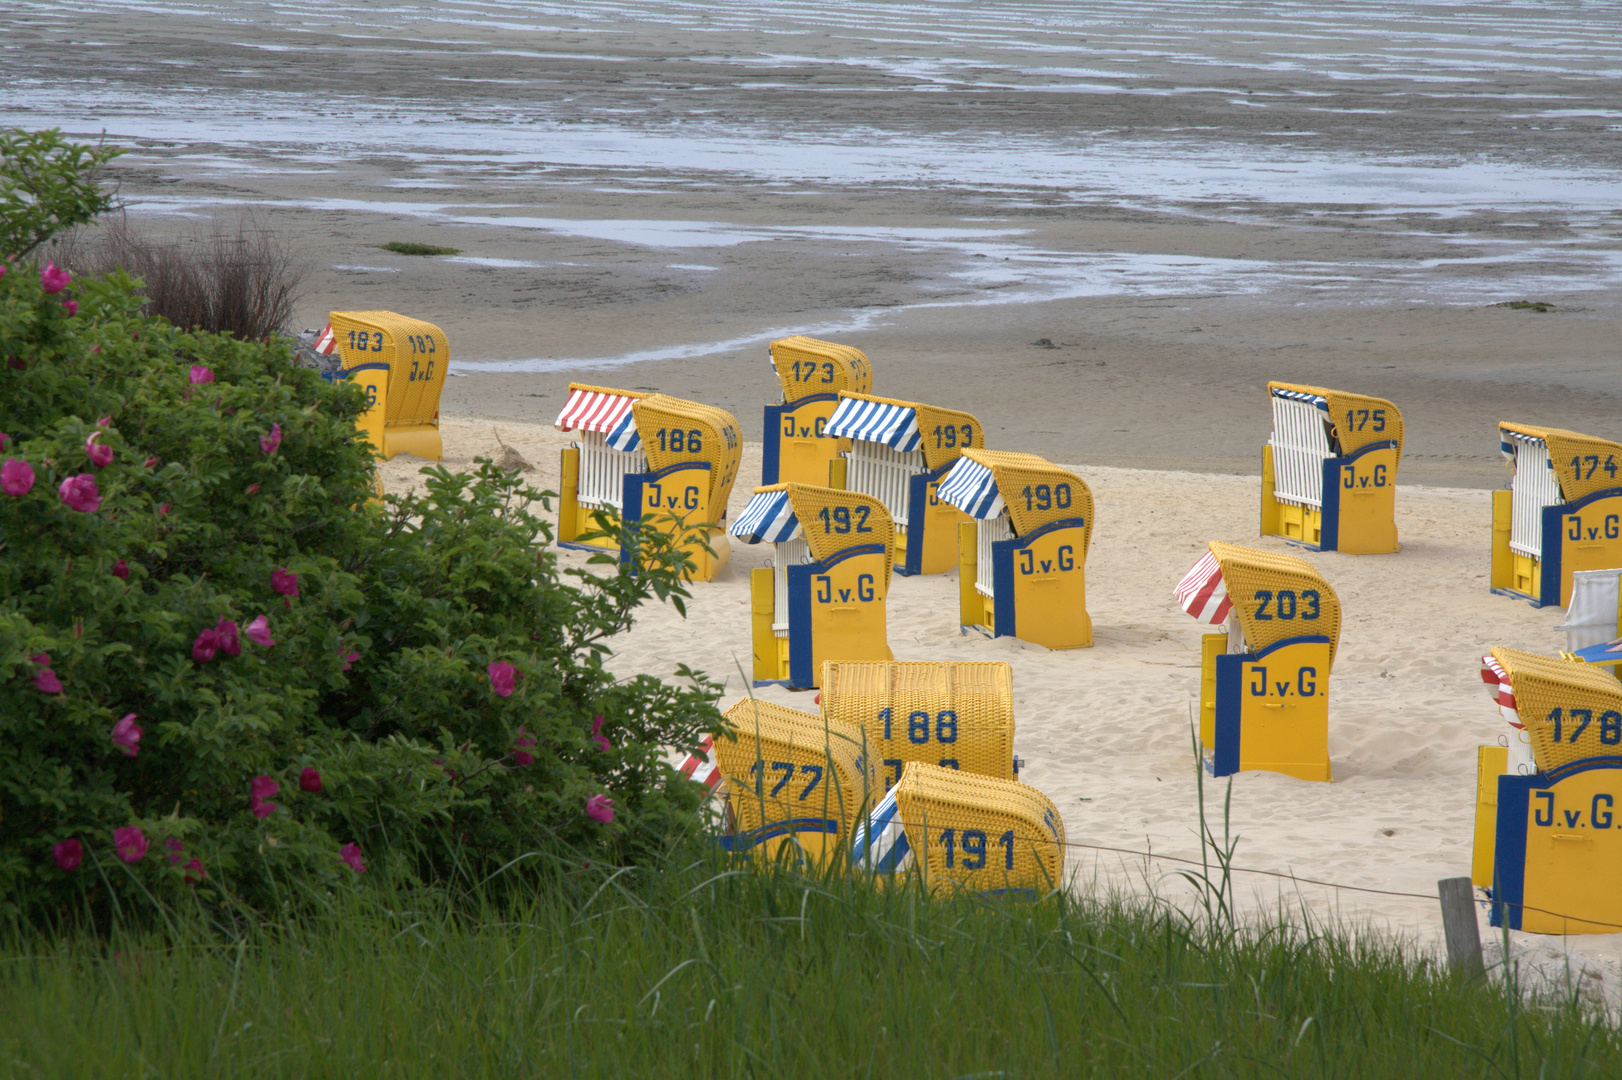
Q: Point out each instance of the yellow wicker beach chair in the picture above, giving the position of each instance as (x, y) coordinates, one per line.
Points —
(1264, 688)
(400, 363)
(824, 597)
(792, 778)
(948, 713)
(1329, 470)
(650, 458)
(1557, 845)
(1022, 561)
(979, 833)
(797, 447)
(899, 453)
(1562, 512)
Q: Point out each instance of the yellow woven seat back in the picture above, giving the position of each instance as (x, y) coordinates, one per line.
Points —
(1278, 596)
(1358, 419)
(951, 714)
(793, 769)
(669, 428)
(1038, 492)
(1572, 711)
(979, 833)
(806, 366)
(417, 354)
(832, 520)
(1583, 463)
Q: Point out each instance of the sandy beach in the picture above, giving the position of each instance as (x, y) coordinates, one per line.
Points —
(1101, 234)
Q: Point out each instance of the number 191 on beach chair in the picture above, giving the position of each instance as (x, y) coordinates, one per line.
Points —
(1264, 685)
(1562, 512)
(400, 363)
(797, 447)
(824, 596)
(1022, 560)
(1329, 470)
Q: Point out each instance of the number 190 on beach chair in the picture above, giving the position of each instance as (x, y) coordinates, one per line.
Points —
(1562, 512)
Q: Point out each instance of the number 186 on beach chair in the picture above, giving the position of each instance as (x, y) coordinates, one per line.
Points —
(797, 447)
(400, 363)
(1264, 685)
(1329, 470)
(1562, 512)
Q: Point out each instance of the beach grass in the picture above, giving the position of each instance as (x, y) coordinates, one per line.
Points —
(403, 247)
(711, 970)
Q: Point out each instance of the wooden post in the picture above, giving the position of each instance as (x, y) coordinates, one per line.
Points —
(1459, 924)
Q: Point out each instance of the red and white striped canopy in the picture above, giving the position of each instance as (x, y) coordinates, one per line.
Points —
(1202, 593)
(1502, 693)
(701, 766)
(593, 410)
(326, 344)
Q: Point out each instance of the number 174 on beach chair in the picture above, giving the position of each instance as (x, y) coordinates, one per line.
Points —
(1561, 514)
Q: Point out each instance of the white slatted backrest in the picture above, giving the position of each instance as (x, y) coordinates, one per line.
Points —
(1534, 486)
(875, 469)
(986, 533)
(795, 552)
(603, 471)
(1300, 443)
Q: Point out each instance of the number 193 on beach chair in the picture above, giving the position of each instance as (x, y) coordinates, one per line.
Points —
(1329, 470)
(797, 447)
(824, 596)
(1562, 512)
(1264, 685)
(899, 453)
(1022, 559)
(400, 363)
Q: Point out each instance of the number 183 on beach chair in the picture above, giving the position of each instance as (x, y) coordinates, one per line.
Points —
(400, 363)
(1562, 512)
(798, 448)
(1264, 685)
(1329, 470)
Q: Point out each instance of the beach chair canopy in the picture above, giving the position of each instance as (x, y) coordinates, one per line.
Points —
(966, 710)
(1033, 490)
(830, 520)
(806, 366)
(1572, 711)
(784, 765)
(941, 434)
(599, 409)
(1355, 420)
(1581, 463)
(417, 354)
(1501, 689)
(674, 431)
(1273, 596)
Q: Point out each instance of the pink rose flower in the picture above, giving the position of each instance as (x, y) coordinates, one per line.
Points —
(284, 582)
(80, 493)
(262, 788)
(501, 678)
(105, 421)
(258, 632)
(53, 279)
(346, 660)
(16, 477)
(68, 854)
(174, 848)
(127, 735)
(226, 633)
(149, 462)
(100, 456)
(350, 854)
(164, 509)
(194, 871)
(520, 754)
(45, 680)
(200, 374)
(269, 443)
(121, 570)
(600, 808)
(131, 843)
(71, 307)
(310, 780)
(206, 645)
(253, 489)
(597, 735)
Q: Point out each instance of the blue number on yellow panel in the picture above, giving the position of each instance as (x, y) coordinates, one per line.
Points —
(1046, 496)
(1610, 724)
(1285, 606)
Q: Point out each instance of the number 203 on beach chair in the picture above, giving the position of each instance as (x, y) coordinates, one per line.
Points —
(1264, 685)
(650, 458)
(400, 363)
(1554, 835)
(797, 447)
(1329, 470)
(824, 596)
(1022, 559)
(1562, 512)
(899, 453)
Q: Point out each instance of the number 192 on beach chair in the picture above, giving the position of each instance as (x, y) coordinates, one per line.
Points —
(899, 454)
(1329, 470)
(824, 596)
(1264, 685)
(1562, 512)
(1022, 560)
(797, 447)
(400, 363)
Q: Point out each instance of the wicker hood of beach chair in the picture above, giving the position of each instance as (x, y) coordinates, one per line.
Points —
(1277, 596)
(1571, 710)
(400, 363)
(1329, 469)
(796, 447)
(979, 833)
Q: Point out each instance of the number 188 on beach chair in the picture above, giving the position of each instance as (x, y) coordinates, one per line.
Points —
(797, 447)
(1562, 512)
(1264, 685)
(400, 363)
(1329, 471)
(824, 596)
(1022, 559)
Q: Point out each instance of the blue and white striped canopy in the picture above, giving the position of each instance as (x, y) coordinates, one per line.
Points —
(1297, 395)
(880, 843)
(769, 519)
(971, 487)
(896, 426)
(624, 436)
(1507, 448)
